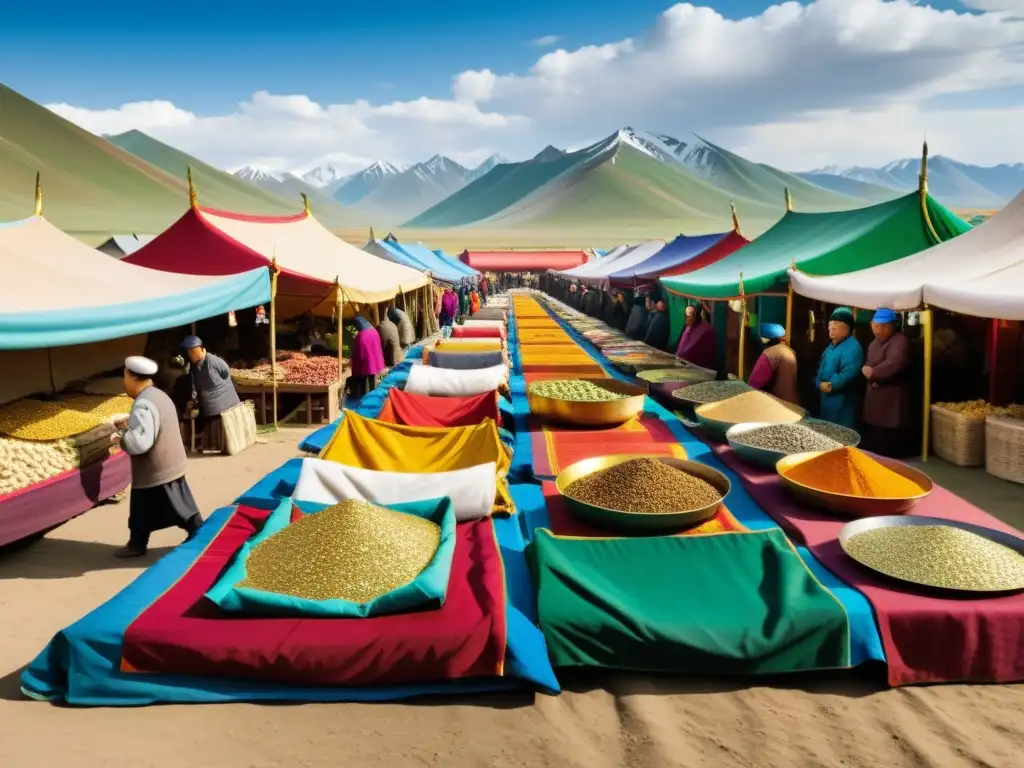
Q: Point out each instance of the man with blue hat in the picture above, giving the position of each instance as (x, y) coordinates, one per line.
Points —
(775, 369)
(211, 381)
(839, 370)
(887, 369)
(160, 496)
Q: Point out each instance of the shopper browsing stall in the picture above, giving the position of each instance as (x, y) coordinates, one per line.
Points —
(775, 370)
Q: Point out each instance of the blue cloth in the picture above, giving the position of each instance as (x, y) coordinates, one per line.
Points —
(865, 640)
(426, 590)
(884, 315)
(63, 326)
(772, 331)
(840, 366)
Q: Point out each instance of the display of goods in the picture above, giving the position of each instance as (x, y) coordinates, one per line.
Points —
(711, 391)
(29, 419)
(352, 551)
(257, 375)
(112, 385)
(851, 472)
(643, 486)
(842, 435)
(24, 463)
(673, 375)
(979, 409)
(751, 406)
(786, 438)
(575, 390)
(939, 556)
(292, 368)
(104, 407)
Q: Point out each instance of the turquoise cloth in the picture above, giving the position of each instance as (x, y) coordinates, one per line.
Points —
(427, 589)
(840, 366)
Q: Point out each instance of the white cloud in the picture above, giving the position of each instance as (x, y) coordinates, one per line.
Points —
(832, 81)
(546, 41)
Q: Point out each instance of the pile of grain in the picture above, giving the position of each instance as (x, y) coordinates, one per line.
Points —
(751, 406)
(712, 391)
(576, 391)
(645, 486)
(786, 438)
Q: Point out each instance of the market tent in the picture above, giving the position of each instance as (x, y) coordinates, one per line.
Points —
(598, 277)
(420, 252)
(317, 270)
(392, 250)
(464, 268)
(980, 273)
(823, 244)
(595, 264)
(119, 246)
(522, 261)
(682, 255)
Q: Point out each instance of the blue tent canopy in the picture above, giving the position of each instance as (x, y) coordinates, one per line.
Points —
(467, 270)
(423, 259)
(673, 255)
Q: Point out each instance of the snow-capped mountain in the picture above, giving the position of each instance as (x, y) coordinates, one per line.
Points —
(257, 174)
(359, 185)
(485, 167)
(325, 176)
(397, 197)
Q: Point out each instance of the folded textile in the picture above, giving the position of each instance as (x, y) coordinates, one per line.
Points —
(466, 361)
(429, 380)
(471, 490)
(416, 410)
(478, 332)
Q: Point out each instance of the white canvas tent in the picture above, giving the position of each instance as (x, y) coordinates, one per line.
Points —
(599, 276)
(594, 264)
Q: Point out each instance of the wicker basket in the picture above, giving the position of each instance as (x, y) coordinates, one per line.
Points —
(958, 439)
(1004, 448)
(239, 425)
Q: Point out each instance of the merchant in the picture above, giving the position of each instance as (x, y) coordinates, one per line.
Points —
(619, 313)
(886, 370)
(697, 344)
(160, 496)
(839, 370)
(406, 331)
(367, 358)
(636, 325)
(211, 381)
(659, 328)
(775, 369)
(390, 343)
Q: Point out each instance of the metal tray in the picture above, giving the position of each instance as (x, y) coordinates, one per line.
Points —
(640, 522)
(717, 429)
(603, 413)
(894, 521)
(680, 394)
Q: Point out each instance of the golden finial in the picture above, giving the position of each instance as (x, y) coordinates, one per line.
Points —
(38, 210)
(789, 201)
(273, 264)
(193, 199)
(305, 203)
(922, 179)
(372, 236)
(735, 218)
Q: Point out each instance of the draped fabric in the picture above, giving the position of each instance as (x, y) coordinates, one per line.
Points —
(372, 444)
(427, 411)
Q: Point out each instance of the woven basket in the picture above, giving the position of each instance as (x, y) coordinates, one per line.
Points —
(958, 439)
(1004, 448)
(239, 425)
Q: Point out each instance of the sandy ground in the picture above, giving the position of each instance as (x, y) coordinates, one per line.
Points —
(597, 723)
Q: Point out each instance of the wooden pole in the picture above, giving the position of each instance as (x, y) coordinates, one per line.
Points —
(743, 331)
(340, 298)
(926, 331)
(789, 309)
(273, 338)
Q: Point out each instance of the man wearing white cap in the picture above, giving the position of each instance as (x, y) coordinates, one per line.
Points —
(160, 495)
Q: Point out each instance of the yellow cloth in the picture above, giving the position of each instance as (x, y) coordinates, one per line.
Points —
(377, 445)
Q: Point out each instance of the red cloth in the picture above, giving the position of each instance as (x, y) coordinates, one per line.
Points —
(522, 261)
(477, 332)
(183, 633)
(562, 522)
(414, 410)
(556, 447)
(927, 639)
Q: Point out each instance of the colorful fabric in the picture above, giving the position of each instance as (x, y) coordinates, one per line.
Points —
(562, 522)
(466, 361)
(425, 591)
(367, 353)
(182, 634)
(980, 639)
(556, 447)
(371, 444)
(668, 604)
(415, 410)
(469, 345)
(477, 332)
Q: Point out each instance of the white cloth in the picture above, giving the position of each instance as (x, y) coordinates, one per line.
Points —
(471, 490)
(450, 382)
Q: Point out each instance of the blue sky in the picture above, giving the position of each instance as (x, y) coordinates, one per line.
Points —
(291, 85)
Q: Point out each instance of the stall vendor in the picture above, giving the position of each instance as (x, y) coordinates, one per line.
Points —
(697, 344)
(636, 325)
(211, 381)
(775, 369)
(839, 369)
(659, 327)
(887, 398)
(390, 345)
(618, 316)
(160, 496)
(463, 302)
(406, 330)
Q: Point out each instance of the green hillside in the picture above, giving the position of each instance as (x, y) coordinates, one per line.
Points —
(89, 185)
(219, 189)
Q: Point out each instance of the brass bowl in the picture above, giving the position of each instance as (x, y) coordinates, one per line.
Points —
(640, 522)
(604, 413)
(680, 394)
(847, 505)
(717, 429)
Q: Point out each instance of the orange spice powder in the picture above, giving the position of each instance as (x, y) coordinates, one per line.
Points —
(852, 472)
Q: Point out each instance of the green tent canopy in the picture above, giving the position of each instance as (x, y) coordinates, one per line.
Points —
(824, 244)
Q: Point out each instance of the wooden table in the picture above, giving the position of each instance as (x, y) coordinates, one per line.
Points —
(331, 395)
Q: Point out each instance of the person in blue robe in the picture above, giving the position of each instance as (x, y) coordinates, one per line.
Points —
(839, 371)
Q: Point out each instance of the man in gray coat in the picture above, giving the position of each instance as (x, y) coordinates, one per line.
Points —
(211, 381)
(160, 496)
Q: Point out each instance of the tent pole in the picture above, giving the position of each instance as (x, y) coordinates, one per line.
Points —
(926, 330)
(339, 297)
(993, 354)
(789, 309)
(273, 338)
(743, 330)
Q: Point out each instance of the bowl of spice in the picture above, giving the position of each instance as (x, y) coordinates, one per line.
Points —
(662, 382)
(764, 443)
(703, 392)
(632, 493)
(591, 401)
(839, 433)
(717, 418)
(851, 483)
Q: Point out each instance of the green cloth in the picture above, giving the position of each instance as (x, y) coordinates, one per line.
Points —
(728, 603)
(823, 244)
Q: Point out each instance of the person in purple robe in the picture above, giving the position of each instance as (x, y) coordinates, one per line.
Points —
(449, 309)
(367, 358)
(887, 372)
(697, 344)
